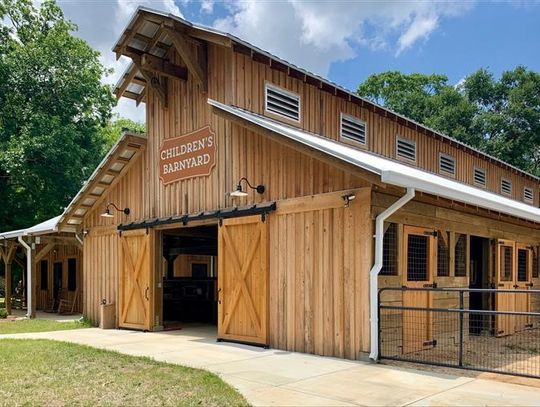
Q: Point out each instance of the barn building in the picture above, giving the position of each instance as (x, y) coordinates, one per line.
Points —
(273, 204)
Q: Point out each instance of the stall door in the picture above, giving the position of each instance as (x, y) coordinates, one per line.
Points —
(523, 282)
(505, 261)
(420, 259)
(134, 280)
(243, 280)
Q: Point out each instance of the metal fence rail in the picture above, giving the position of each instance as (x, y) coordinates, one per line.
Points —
(436, 326)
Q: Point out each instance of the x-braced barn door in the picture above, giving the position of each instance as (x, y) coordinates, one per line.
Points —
(243, 280)
(134, 280)
(505, 266)
(419, 260)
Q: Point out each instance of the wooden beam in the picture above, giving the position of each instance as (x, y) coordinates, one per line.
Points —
(197, 69)
(156, 84)
(127, 80)
(43, 252)
(163, 67)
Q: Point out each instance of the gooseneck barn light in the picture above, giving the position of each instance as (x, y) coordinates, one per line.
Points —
(238, 192)
(108, 214)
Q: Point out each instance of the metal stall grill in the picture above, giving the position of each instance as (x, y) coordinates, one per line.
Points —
(461, 337)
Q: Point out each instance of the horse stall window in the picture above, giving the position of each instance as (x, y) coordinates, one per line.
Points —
(44, 275)
(417, 258)
(460, 255)
(506, 265)
(443, 255)
(390, 242)
(535, 262)
(72, 274)
(523, 265)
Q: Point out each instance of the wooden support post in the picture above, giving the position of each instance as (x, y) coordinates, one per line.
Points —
(7, 298)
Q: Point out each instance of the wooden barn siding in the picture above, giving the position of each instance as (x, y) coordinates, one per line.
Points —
(60, 253)
(320, 114)
(319, 275)
(101, 270)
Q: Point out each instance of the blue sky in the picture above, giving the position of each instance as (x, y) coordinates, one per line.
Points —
(347, 40)
(497, 37)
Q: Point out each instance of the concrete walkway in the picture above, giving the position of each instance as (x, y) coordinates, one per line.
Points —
(272, 377)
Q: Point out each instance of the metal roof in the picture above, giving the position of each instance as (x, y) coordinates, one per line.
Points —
(124, 152)
(48, 226)
(142, 39)
(391, 172)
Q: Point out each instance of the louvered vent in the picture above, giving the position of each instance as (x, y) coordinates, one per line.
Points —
(480, 177)
(353, 129)
(406, 149)
(447, 164)
(283, 103)
(528, 195)
(506, 186)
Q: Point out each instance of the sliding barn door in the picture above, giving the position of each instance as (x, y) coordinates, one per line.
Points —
(523, 282)
(419, 260)
(243, 280)
(505, 267)
(134, 280)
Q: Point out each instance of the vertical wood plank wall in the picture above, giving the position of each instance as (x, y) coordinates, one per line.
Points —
(320, 114)
(60, 253)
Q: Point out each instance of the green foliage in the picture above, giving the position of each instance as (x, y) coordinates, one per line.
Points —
(3, 313)
(112, 131)
(53, 108)
(501, 117)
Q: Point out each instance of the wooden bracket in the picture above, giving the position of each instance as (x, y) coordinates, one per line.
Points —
(197, 67)
(157, 84)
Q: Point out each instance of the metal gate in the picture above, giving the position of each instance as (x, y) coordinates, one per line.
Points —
(462, 337)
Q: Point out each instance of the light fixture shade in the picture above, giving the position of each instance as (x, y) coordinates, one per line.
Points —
(107, 214)
(239, 193)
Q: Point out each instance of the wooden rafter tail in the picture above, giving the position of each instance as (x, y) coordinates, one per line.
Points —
(197, 68)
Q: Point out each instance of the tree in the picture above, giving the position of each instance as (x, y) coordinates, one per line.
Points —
(53, 109)
(500, 117)
(112, 131)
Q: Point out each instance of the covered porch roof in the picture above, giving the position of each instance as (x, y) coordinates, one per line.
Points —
(48, 226)
(390, 172)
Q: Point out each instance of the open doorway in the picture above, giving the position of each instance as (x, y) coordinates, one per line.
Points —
(190, 277)
(479, 278)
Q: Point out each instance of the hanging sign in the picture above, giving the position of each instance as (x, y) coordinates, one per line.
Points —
(187, 156)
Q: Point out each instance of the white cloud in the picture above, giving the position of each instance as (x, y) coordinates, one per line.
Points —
(314, 34)
(101, 23)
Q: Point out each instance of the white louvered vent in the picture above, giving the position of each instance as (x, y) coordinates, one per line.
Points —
(281, 102)
(506, 186)
(406, 149)
(480, 177)
(447, 164)
(528, 195)
(353, 129)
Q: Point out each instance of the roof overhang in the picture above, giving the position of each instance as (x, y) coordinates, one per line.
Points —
(390, 172)
(116, 163)
(47, 227)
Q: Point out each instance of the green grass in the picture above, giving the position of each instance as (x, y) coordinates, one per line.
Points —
(42, 372)
(38, 325)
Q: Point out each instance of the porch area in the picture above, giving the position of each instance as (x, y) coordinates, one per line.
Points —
(272, 377)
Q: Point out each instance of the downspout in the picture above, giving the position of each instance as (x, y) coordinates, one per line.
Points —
(373, 281)
(29, 288)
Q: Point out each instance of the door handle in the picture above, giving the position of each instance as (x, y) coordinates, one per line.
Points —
(146, 293)
(219, 296)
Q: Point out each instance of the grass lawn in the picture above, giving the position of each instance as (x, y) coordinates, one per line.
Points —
(42, 372)
(38, 325)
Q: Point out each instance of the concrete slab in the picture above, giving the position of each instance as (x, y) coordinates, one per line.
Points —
(269, 377)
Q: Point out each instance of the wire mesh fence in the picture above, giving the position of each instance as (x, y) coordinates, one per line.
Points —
(449, 333)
